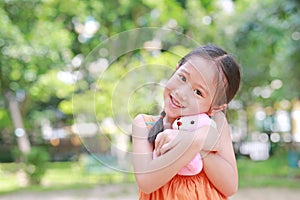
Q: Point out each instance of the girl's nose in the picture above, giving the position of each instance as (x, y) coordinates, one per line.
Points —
(182, 92)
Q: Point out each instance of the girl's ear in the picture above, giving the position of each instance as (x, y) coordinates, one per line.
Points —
(177, 66)
(216, 109)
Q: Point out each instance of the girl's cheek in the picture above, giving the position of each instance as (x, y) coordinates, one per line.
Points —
(175, 80)
(193, 101)
(171, 84)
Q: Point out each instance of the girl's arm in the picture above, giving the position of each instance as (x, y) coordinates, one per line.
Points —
(152, 174)
(220, 167)
(217, 154)
(163, 141)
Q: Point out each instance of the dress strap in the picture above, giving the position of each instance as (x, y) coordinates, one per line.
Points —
(149, 121)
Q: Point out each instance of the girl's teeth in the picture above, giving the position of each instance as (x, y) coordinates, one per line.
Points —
(176, 103)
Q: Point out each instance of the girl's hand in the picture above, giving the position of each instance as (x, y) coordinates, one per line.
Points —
(212, 139)
(165, 141)
(212, 142)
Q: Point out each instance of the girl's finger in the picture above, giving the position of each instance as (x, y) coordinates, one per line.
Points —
(168, 146)
(159, 142)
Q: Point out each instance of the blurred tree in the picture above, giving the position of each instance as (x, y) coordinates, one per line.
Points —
(53, 36)
(264, 36)
(267, 42)
(26, 54)
(48, 66)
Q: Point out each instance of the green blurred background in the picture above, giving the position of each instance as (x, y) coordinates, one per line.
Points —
(63, 118)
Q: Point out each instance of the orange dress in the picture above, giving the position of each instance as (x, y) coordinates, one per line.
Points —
(196, 187)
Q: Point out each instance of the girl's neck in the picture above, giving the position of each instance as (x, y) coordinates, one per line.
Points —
(168, 121)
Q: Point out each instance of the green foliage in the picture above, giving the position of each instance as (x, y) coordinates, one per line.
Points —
(54, 87)
(37, 46)
(4, 118)
(35, 164)
(264, 40)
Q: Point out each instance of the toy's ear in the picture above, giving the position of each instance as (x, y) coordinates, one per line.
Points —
(216, 109)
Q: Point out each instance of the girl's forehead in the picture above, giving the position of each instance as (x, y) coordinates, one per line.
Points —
(202, 67)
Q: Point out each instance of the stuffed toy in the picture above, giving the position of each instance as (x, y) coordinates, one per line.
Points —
(192, 123)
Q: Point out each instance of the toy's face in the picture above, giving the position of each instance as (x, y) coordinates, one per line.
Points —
(186, 123)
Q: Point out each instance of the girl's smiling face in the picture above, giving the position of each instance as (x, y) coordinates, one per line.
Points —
(192, 88)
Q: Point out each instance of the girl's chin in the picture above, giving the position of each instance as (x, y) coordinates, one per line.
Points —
(173, 113)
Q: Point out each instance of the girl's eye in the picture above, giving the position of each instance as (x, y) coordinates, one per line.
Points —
(198, 92)
(182, 78)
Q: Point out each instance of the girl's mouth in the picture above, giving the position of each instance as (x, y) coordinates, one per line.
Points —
(175, 103)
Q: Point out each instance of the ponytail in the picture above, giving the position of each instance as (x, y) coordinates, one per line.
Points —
(157, 128)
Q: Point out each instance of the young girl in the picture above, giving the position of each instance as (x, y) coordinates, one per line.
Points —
(205, 81)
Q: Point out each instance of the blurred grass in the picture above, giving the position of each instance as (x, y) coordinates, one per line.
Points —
(274, 172)
(59, 176)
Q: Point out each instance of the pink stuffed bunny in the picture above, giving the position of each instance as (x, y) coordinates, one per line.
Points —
(192, 123)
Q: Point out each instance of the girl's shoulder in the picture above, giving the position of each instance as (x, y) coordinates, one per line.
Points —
(144, 120)
(141, 124)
